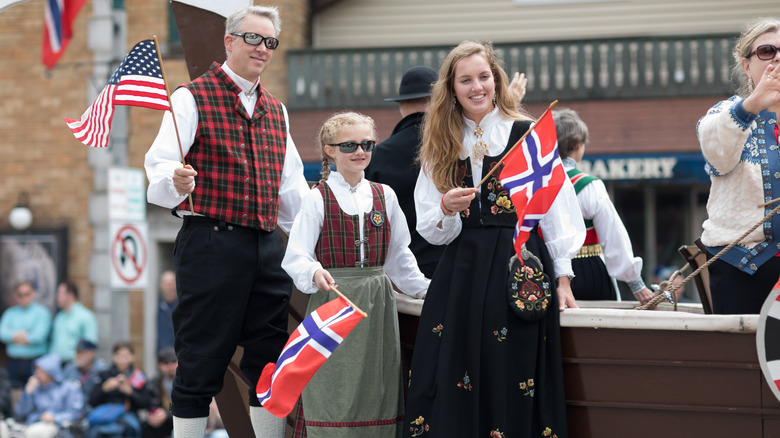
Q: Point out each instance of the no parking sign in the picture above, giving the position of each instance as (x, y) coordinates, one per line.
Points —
(129, 255)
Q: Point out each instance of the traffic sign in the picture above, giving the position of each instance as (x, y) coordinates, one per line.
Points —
(126, 194)
(129, 255)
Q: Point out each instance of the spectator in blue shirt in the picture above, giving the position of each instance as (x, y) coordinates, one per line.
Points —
(86, 368)
(49, 402)
(72, 323)
(24, 329)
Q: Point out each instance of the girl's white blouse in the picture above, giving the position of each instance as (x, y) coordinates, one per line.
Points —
(299, 261)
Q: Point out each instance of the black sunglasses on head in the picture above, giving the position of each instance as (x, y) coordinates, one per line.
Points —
(254, 39)
(350, 146)
(765, 52)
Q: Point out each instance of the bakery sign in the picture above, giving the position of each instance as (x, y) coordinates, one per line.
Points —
(682, 168)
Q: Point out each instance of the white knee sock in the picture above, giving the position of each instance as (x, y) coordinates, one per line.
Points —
(265, 424)
(189, 427)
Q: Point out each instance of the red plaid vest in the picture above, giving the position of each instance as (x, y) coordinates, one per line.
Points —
(238, 156)
(339, 243)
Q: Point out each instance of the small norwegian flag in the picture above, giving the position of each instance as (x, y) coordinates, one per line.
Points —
(314, 340)
(137, 379)
(533, 175)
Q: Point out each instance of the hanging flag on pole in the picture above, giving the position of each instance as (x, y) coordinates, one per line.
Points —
(58, 19)
(312, 343)
(533, 175)
(138, 81)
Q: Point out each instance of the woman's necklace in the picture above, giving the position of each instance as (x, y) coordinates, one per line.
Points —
(480, 147)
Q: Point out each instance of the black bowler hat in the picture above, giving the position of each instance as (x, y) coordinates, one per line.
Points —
(415, 83)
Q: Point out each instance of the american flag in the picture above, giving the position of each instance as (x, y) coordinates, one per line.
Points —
(308, 347)
(58, 19)
(533, 175)
(137, 81)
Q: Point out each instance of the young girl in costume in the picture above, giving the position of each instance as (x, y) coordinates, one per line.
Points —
(352, 234)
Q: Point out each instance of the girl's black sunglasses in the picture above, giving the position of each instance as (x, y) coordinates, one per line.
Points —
(350, 146)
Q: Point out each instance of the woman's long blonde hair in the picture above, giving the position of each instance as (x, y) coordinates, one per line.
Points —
(443, 128)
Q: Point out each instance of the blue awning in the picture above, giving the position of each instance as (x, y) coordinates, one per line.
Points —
(674, 168)
(671, 168)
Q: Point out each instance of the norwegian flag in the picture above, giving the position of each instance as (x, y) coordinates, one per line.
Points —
(58, 19)
(138, 81)
(533, 175)
(137, 379)
(312, 343)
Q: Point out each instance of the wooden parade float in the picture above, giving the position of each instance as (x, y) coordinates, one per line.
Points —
(654, 373)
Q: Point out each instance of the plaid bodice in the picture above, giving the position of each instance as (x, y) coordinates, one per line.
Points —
(339, 243)
(239, 156)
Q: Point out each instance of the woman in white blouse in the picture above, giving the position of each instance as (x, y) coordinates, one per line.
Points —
(607, 250)
(478, 368)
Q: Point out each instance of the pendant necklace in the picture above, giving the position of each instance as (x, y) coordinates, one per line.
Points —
(480, 147)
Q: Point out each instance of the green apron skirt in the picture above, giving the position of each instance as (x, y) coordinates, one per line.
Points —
(358, 391)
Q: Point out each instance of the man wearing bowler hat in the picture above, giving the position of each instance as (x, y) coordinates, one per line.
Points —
(393, 161)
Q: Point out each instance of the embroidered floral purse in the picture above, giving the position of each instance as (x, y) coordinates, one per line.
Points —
(528, 287)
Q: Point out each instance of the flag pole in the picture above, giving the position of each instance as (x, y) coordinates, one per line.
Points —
(767, 204)
(519, 142)
(357, 309)
(173, 115)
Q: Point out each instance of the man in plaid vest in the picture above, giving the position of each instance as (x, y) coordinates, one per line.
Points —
(243, 178)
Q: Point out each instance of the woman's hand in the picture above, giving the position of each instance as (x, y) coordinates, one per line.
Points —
(565, 295)
(644, 295)
(766, 96)
(517, 88)
(457, 200)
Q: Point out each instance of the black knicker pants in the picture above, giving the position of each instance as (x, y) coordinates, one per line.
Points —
(232, 291)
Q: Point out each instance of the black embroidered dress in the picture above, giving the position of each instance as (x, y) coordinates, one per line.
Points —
(478, 369)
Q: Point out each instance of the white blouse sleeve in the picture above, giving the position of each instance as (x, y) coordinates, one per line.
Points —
(400, 265)
(299, 261)
(618, 252)
(563, 229)
(164, 156)
(432, 224)
(293, 186)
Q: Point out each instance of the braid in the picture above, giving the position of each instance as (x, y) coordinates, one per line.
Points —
(325, 169)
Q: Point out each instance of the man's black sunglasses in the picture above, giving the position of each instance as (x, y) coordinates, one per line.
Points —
(765, 52)
(254, 39)
(350, 146)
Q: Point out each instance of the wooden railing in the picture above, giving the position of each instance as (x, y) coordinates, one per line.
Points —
(620, 68)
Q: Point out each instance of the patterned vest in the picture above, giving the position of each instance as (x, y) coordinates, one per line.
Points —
(339, 243)
(580, 180)
(239, 157)
(493, 207)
